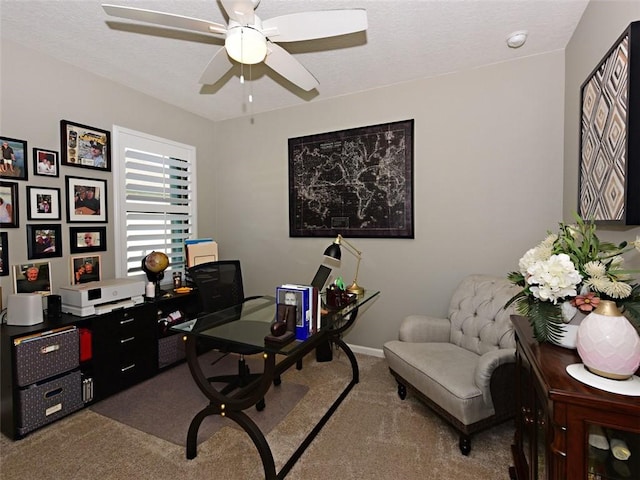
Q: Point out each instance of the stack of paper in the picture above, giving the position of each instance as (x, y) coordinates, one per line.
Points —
(201, 250)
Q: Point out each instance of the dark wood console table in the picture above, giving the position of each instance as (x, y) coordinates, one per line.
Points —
(247, 325)
(556, 412)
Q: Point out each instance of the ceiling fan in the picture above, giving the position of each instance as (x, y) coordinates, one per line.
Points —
(250, 40)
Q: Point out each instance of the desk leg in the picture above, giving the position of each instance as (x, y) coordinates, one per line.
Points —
(314, 432)
(352, 358)
(233, 409)
(247, 425)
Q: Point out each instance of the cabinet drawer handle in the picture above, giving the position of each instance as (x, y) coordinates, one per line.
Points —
(125, 340)
(127, 320)
(122, 370)
(49, 349)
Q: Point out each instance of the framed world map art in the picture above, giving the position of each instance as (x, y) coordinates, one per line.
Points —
(609, 190)
(356, 182)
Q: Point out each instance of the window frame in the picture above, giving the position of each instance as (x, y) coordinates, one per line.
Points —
(124, 138)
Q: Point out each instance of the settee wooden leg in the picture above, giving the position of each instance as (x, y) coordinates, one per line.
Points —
(465, 444)
(402, 391)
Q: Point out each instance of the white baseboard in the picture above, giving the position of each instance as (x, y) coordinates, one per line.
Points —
(374, 352)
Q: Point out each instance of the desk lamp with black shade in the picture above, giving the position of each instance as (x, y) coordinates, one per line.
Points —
(334, 251)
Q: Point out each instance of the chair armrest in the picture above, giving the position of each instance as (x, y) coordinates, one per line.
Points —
(422, 328)
(486, 366)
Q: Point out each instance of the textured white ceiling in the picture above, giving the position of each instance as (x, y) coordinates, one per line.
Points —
(406, 40)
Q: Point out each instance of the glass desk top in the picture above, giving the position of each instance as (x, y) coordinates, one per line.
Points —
(249, 323)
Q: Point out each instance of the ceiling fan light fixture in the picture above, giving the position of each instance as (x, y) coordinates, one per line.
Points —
(246, 45)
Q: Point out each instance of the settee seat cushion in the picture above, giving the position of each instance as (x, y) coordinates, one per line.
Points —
(443, 372)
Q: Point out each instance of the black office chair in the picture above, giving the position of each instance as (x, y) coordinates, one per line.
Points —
(220, 286)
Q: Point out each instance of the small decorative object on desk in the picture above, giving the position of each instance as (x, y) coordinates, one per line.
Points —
(570, 272)
(337, 296)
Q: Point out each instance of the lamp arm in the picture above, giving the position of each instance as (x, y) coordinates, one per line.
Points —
(354, 287)
(354, 251)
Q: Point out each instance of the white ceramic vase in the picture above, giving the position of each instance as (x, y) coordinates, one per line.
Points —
(607, 343)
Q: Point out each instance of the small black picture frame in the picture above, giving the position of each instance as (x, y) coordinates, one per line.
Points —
(87, 239)
(45, 162)
(84, 146)
(86, 200)
(44, 241)
(4, 254)
(43, 203)
(9, 211)
(14, 159)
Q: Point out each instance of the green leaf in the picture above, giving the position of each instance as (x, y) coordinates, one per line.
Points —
(545, 318)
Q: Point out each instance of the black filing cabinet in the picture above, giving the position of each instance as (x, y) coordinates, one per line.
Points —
(52, 368)
(125, 349)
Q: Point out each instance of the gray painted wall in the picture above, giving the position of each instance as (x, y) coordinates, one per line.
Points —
(488, 185)
(492, 146)
(37, 92)
(601, 25)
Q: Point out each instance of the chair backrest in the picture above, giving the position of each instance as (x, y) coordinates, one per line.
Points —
(219, 284)
(479, 321)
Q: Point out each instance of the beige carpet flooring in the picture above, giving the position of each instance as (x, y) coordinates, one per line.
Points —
(373, 436)
(144, 406)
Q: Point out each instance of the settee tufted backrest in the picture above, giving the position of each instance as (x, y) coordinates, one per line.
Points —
(479, 321)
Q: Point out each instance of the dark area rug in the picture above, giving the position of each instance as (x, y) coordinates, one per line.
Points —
(164, 405)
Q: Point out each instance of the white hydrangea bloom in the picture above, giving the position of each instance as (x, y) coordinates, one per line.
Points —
(533, 256)
(554, 278)
(637, 243)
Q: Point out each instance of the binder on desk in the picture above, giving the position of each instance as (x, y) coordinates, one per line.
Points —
(201, 252)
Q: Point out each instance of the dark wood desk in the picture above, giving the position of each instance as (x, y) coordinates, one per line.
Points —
(555, 413)
(247, 325)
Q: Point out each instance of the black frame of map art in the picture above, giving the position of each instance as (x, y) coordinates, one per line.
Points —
(356, 182)
(609, 188)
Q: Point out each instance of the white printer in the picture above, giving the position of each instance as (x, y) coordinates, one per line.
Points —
(96, 298)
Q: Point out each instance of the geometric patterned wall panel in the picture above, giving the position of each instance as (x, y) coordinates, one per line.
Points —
(609, 136)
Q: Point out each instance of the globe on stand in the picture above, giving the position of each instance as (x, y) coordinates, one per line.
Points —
(154, 265)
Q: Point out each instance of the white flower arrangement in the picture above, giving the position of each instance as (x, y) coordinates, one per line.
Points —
(573, 271)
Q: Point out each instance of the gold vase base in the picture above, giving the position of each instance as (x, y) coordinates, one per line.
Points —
(610, 376)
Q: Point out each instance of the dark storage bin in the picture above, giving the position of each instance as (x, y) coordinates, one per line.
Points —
(46, 355)
(170, 350)
(44, 403)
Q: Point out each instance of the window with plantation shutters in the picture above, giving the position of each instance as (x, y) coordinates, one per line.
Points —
(156, 200)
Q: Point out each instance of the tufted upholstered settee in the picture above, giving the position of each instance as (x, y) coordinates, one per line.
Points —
(462, 366)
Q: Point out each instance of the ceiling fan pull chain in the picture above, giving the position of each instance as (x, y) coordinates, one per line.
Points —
(250, 85)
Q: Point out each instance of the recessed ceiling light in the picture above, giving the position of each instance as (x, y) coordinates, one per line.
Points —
(517, 39)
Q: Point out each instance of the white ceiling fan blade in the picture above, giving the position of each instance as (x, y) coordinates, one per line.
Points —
(217, 67)
(240, 11)
(283, 63)
(166, 19)
(309, 25)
